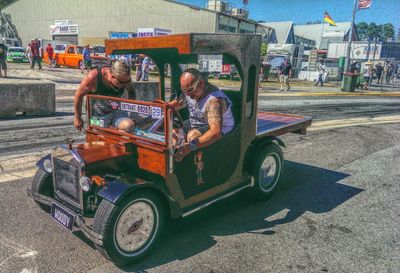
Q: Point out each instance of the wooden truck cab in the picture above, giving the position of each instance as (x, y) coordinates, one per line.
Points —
(119, 187)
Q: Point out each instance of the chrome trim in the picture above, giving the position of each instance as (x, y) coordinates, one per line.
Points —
(81, 166)
(215, 200)
(171, 146)
(252, 181)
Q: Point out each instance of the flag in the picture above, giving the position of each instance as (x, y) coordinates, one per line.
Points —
(245, 2)
(364, 4)
(329, 20)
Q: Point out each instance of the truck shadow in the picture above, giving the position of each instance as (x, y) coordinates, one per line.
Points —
(305, 188)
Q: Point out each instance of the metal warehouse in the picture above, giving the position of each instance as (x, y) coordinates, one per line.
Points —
(92, 21)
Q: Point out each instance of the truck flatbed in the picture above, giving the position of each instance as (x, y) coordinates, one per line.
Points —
(276, 124)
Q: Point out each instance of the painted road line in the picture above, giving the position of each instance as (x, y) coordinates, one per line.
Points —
(332, 124)
(23, 166)
(327, 94)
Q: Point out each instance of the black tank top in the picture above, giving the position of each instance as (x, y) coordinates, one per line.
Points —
(103, 107)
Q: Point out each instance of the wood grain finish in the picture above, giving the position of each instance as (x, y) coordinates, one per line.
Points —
(182, 42)
(93, 153)
(152, 161)
(274, 124)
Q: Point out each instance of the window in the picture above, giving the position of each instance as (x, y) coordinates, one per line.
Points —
(227, 28)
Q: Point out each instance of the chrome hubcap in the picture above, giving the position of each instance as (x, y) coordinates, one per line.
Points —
(135, 226)
(268, 175)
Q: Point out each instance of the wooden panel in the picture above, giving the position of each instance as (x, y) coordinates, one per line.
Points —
(274, 124)
(181, 42)
(152, 161)
(93, 152)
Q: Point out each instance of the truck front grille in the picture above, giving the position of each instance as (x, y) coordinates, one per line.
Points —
(66, 175)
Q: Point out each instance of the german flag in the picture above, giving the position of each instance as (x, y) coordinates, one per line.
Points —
(329, 20)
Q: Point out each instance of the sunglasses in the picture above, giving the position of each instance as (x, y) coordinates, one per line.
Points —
(192, 88)
(122, 82)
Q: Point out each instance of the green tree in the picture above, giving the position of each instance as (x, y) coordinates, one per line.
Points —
(388, 31)
(264, 48)
(362, 30)
(4, 3)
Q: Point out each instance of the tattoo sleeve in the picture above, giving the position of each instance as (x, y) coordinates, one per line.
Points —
(214, 113)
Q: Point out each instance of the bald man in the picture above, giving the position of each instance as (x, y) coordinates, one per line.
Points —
(210, 113)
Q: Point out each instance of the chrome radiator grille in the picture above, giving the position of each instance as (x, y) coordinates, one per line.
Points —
(66, 174)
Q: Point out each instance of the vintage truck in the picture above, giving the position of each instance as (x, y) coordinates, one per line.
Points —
(72, 57)
(119, 188)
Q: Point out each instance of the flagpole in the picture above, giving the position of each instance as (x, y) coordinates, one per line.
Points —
(322, 33)
(347, 63)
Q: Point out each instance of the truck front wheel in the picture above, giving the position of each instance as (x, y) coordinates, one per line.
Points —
(42, 183)
(129, 229)
(267, 170)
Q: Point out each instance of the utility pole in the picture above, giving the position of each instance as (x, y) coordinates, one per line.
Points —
(347, 63)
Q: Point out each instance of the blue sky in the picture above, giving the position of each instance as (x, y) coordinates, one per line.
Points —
(302, 11)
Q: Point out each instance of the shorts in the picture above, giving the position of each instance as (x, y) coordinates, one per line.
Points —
(284, 79)
(3, 64)
(87, 63)
(187, 126)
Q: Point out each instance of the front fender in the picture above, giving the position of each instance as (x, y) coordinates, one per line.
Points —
(116, 191)
(40, 163)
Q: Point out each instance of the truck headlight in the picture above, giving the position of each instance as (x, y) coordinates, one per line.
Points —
(85, 183)
(48, 167)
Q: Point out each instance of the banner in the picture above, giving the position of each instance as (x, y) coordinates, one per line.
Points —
(364, 4)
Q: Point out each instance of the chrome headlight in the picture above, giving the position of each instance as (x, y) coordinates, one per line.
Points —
(85, 183)
(48, 167)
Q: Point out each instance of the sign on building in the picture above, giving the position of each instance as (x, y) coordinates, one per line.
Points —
(146, 32)
(64, 27)
(210, 63)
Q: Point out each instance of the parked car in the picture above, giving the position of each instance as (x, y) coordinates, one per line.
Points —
(72, 56)
(119, 188)
(17, 54)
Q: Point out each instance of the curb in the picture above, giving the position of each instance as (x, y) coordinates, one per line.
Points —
(326, 94)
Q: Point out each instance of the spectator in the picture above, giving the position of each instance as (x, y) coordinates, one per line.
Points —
(285, 72)
(3, 63)
(87, 59)
(138, 65)
(50, 52)
(388, 72)
(145, 68)
(28, 52)
(36, 57)
(378, 72)
(367, 75)
(354, 67)
(321, 70)
(124, 59)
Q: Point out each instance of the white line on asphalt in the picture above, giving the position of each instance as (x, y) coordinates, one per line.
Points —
(10, 172)
(341, 123)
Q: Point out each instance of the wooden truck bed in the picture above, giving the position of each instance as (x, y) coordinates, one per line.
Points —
(274, 124)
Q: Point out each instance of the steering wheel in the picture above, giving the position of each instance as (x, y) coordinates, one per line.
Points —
(177, 117)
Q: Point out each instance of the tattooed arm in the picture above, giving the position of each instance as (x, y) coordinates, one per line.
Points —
(214, 111)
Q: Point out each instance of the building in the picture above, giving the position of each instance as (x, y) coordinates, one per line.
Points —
(284, 32)
(91, 21)
(320, 35)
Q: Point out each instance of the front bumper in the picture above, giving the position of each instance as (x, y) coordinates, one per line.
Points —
(79, 221)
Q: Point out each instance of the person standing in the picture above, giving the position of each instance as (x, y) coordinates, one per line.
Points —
(50, 52)
(145, 68)
(36, 58)
(138, 65)
(87, 59)
(321, 70)
(28, 53)
(378, 71)
(3, 63)
(285, 72)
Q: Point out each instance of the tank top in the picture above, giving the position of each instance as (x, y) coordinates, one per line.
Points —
(197, 111)
(103, 107)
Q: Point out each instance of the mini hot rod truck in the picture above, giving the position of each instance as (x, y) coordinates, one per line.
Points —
(119, 188)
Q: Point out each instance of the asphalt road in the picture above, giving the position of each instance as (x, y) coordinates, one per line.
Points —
(337, 209)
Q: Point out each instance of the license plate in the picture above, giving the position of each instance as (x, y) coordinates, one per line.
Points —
(62, 216)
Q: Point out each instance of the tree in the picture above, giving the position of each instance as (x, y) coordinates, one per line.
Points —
(362, 30)
(388, 31)
(4, 3)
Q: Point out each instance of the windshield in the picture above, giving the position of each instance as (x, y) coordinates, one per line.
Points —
(13, 49)
(109, 113)
(99, 49)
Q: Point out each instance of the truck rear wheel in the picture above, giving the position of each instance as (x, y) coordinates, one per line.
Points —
(267, 170)
(42, 183)
(129, 229)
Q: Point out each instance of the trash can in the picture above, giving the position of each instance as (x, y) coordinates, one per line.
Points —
(341, 65)
(349, 81)
(266, 68)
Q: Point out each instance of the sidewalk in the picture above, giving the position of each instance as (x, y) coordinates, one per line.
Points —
(329, 89)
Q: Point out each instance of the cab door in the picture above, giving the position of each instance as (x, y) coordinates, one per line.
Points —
(209, 167)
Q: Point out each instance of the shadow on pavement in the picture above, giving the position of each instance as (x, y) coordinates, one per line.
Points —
(305, 188)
